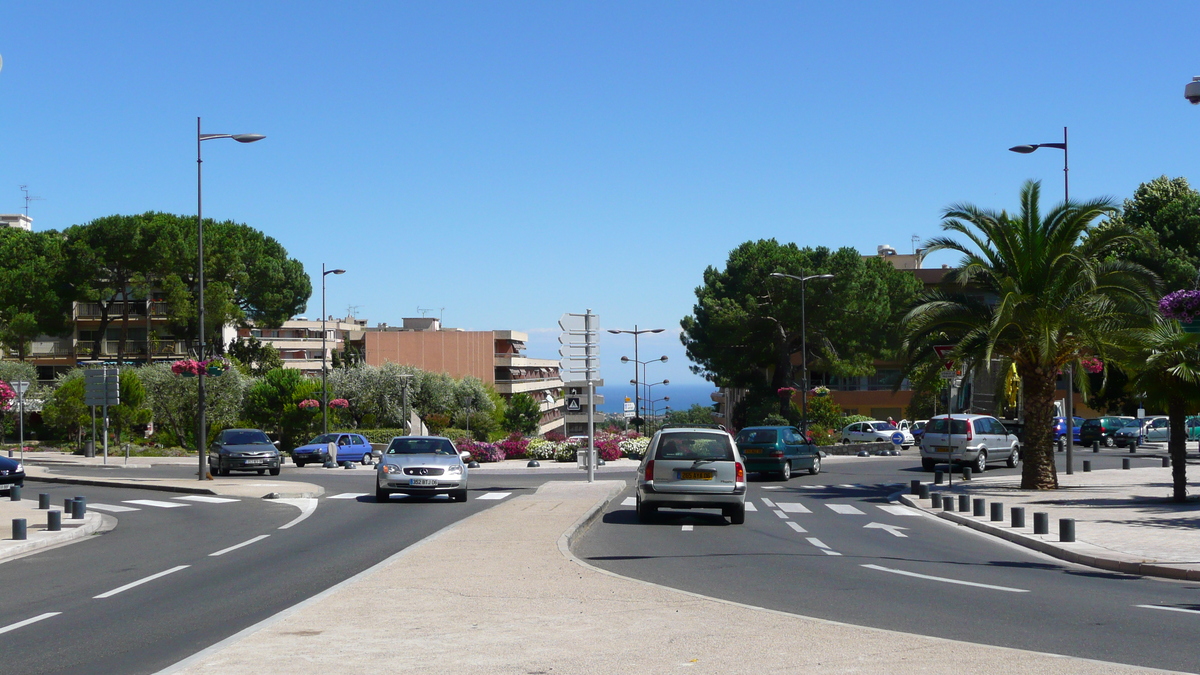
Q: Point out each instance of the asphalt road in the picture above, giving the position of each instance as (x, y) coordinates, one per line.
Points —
(203, 598)
(822, 546)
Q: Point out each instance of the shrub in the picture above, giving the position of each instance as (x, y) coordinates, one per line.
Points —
(555, 436)
(454, 434)
(608, 447)
(540, 448)
(822, 436)
(565, 452)
(481, 452)
(436, 422)
(774, 420)
(514, 446)
(635, 447)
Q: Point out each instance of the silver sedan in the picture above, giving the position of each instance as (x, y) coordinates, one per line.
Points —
(421, 465)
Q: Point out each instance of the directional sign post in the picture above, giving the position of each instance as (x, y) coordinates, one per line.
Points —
(101, 387)
(20, 386)
(580, 352)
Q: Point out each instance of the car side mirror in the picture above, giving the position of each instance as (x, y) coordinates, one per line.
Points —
(463, 455)
(275, 443)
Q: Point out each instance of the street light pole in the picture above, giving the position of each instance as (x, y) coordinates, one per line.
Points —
(803, 344)
(625, 359)
(324, 353)
(201, 424)
(1069, 413)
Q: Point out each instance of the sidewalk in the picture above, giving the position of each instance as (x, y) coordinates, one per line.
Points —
(1124, 519)
(37, 536)
(265, 487)
(500, 592)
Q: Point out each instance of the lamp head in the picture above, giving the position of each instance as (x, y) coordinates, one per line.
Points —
(664, 358)
(1023, 149)
(614, 331)
(634, 382)
(624, 359)
(247, 138)
(1192, 91)
(666, 382)
(656, 330)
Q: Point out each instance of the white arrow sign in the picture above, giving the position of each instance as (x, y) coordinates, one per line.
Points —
(893, 529)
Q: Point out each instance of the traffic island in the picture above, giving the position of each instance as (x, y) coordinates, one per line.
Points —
(38, 535)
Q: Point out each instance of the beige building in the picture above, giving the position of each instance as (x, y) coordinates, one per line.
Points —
(299, 341)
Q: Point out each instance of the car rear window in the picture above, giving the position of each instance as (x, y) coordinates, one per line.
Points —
(758, 436)
(940, 425)
(694, 445)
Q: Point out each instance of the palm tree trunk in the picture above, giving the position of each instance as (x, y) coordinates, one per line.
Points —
(1177, 448)
(1038, 471)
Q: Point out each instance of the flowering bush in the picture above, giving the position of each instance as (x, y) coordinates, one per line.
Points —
(187, 367)
(1181, 305)
(1092, 364)
(339, 403)
(565, 452)
(608, 447)
(540, 448)
(819, 390)
(6, 395)
(821, 436)
(514, 447)
(555, 436)
(635, 447)
(785, 392)
(309, 404)
(480, 452)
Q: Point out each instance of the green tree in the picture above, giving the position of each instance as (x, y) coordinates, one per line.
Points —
(258, 356)
(35, 288)
(746, 325)
(133, 409)
(64, 411)
(1038, 290)
(522, 414)
(272, 404)
(173, 400)
(111, 255)
(1164, 217)
(697, 414)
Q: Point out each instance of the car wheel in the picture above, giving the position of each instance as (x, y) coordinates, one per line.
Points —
(262, 472)
(1108, 441)
(645, 512)
(382, 495)
(366, 460)
(981, 462)
(275, 471)
(785, 473)
(737, 515)
(222, 470)
(816, 467)
(845, 441)
(458, 496)
(299, 464)
(927, 464)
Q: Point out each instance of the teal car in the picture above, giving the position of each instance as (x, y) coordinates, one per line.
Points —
(780, 451)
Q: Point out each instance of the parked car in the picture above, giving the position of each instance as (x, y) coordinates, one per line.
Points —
(1060, 429)
(350, 448)
(778, 451)
(1148, 430)
(243, 450)
(424, 466)
(692, 468)
(1193, 428)
(874, 432)
(11, 473)
(972, 440)
(1101, 429)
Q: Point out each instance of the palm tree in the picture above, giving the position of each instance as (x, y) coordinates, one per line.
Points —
(1166, 370)
(1038, 291)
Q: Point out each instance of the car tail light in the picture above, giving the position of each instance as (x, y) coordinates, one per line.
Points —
(650, 471)
(777, 453)
(739, 473)
(969, 435)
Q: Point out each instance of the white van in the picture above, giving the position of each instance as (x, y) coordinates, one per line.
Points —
(972, 440)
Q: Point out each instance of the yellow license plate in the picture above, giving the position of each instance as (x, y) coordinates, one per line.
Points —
(753, 451)
(695, 475)
(941, 448)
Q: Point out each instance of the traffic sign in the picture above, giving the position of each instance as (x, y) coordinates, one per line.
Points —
(898, 438)
(943, 353)
(948, 374)
(628, 406)
(20, 386)
(101, 386)
(573, 404)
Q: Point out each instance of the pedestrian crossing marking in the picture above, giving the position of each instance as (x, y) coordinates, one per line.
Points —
(629, 501)
(751, 507)
(899, 510)
(768, 502)
(816, 542)
(792, 507)
(208, 500)
(111, 508)
(795, 526)
(348, 495)
(494, 495)
(845, 509)
(152, 502)
(781, 514)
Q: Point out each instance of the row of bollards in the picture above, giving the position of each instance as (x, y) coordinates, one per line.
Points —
(979, 507)
(76, 507)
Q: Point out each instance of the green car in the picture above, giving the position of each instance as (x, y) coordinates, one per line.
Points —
(1193, 428)
(777, 450)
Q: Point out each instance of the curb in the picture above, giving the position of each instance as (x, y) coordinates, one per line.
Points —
(92, 521)
(1149, 569)
(97, 482)
(567, 539)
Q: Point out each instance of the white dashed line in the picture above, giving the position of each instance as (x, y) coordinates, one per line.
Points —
(111, 508)
(26, 622)
(348, 495)
(1168, 609)
(687, 528)
(817, 542)
(139, 582)
(781, 514)
(795, 526)
(751, 507)
(845, 509)
(237, 546)
(793, 507)
(771, 487)
(768, 502)
(494, 495)
(208, 500)
(828, 552)
(945, 580)
(899, 510)
(154, 503)
(629, 501)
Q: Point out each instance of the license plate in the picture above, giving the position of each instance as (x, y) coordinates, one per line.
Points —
(753, 451)
(941, 448)
(695, 475)
(422, 481)
(256, 461)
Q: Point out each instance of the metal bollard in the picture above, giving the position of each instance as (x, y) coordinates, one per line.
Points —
(936, 498)
(948, 503)
(924, 493)
(1095, 446)
(81, 500)
(18, 529)
(1125, 463)
(978, 506)
(964, 503)
(44, 501)
(966, 473)
(1018, 516)
(1166, 461)
(77, 509)
(68, 506)
(997, 512)
(1066, 529)
(1041, 522)
(937, 477)
(1087, 466)
(914, 486)
(54, 521)
(14, 493)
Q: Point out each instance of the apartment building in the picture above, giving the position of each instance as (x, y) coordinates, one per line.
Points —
(300, 341)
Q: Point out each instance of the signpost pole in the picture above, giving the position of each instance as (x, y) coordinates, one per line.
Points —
(21, 421)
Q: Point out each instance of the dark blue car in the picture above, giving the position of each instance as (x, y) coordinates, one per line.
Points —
(1060, 429)
(350, 448)
(11, 473)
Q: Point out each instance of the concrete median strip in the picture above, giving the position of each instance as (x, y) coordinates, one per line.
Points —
(501, 592)
(40, 538)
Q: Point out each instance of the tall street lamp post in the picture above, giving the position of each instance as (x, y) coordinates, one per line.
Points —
(1069, 413)
(624, 359)
(324, 354)
(404, 378)
(803, 344)
(201, 424)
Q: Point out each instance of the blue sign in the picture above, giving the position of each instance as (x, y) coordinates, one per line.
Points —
(898, 438)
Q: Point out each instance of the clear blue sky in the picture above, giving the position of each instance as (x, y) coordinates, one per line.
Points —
(512, 161)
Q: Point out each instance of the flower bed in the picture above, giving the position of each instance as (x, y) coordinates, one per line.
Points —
(514, 447)
(480, 452)
(1181, 305)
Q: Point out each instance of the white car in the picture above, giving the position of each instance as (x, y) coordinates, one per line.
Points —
(971, 440)
(874, 432)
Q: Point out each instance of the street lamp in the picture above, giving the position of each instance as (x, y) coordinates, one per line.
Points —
(803, 344)
(324, 368)
(625, 359)
(1070, 411)
(404, 378)
(201, 427)
(1191, 91)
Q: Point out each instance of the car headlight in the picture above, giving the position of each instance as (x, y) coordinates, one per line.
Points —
(389, 468)
(20, 468)
(456, 470)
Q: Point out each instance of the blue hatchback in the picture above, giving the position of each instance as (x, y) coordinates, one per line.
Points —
(350, 448)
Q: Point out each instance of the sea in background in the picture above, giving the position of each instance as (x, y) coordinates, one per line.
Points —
(683, 396)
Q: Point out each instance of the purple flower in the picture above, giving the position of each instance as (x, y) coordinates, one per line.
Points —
(1181, 305)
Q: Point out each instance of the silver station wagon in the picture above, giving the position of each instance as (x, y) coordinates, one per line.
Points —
(692, 468)
(421, 465)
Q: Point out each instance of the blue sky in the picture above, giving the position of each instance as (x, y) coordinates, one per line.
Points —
(513, 161)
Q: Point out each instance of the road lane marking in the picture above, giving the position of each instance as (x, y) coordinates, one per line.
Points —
(139, 582)
(629, 501)
(1169, 609)
(792, 507)
(26, 622)
(817, 542)
(768, 502)
(306, 505)
(152, 502)
(687, 528)
(494, 495)
(751, 507)
(111, 508)
(828, 552)
(771, 487)
(208, 500)
(894, 530)
(796, 526)
(899, 510)
(237, 546)
(945, 580)
(845, 509)
(781, 514)
(348, 495)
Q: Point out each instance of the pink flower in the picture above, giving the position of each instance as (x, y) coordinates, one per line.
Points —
(309, 404)
(1092, 364)
(187, 366)
(339, 403)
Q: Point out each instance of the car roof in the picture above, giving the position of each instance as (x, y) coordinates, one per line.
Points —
(767, 427)
(707, 430)
(441, 437)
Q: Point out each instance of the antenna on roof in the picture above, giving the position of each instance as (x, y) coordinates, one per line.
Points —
(915, 239)
(25, 189)
(352, 311)
(424, 312)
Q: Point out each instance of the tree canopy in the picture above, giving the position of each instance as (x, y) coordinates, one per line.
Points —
(1164, 219)
(36, 288)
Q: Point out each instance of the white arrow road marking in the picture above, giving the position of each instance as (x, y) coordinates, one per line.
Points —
(1169, 609)
(796, 526)
(845, 509)
(899, 510)
(792, 507)
(139, 582)
(894, 530)
(306, 505)
(208, 500)
(26, 622)
(237, 546)
(945, 580)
